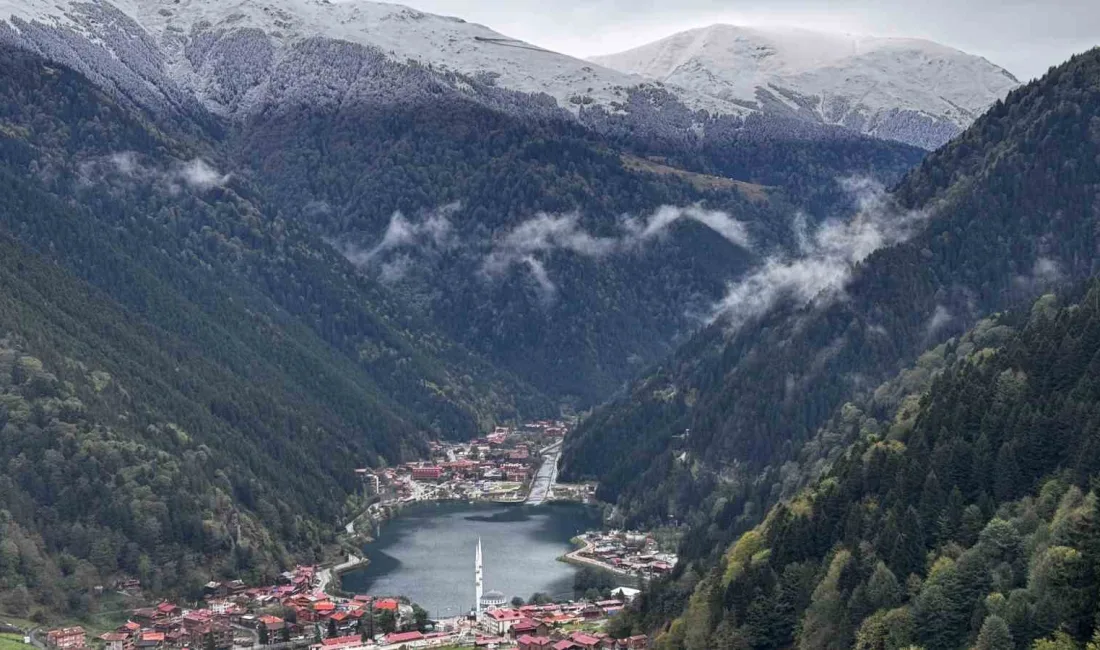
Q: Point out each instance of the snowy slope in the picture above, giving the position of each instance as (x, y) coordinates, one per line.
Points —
(238, 57)
(907, 89)
(267, 32)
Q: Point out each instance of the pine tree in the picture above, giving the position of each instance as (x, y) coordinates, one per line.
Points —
(994, 635)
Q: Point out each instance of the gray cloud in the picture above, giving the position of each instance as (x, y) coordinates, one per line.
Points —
(826, 257)
(1024, 36)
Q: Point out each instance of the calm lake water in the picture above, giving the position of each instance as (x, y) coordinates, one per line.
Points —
(427, 553)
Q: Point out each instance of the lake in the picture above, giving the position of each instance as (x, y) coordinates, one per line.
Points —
(427, 553)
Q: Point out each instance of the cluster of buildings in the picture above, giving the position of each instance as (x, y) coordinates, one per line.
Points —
(553, 627)
(550, 626)
(497, 467)
(626, 552)
(234, 614)
(581, 641)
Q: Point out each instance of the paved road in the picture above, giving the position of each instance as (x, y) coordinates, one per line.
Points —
(543, 483)
(575, 556)
(324, 576)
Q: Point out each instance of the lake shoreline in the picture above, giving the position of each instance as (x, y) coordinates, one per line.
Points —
(427, 553)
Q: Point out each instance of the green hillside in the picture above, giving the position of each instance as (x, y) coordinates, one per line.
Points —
(971, 522)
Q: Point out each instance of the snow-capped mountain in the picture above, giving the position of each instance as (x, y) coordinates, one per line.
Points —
(911, 90)
(239, 57)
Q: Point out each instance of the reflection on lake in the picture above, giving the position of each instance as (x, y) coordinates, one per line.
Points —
(427, 553)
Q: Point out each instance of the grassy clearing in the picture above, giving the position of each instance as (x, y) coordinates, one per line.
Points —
(12, 642)
(702, 182)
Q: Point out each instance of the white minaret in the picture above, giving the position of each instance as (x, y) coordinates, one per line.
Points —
(477, 580)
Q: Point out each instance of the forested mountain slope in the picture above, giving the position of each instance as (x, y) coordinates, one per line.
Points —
(514, 236)
(120, 457)
(430, 192)
(151, 222)
(972, 521)
(1008, 208)
(165, 329)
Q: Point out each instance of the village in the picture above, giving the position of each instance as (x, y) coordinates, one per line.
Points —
(628, 553)
(305, 607)
(297, 613)
(509, 465)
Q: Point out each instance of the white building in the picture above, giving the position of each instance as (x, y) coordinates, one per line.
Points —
(500, 621)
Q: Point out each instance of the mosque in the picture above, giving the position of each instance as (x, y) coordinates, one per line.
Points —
(483, 601)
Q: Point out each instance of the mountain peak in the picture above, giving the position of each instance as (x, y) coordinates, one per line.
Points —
(264, 31)
(909, 89)
(237, 57)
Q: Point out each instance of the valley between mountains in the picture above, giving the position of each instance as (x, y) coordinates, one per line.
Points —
(816, 309)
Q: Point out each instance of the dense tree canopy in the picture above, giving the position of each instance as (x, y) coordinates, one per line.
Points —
(973, 523)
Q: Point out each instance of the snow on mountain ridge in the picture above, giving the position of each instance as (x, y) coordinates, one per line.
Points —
(237, 57)
(399, 32)
(870, 84)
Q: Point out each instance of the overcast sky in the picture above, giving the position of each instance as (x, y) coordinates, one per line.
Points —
(1026, 37)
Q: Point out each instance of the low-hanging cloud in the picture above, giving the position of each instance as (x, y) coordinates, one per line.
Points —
(527, 245)
(200, 175)
(542, 234)
(662, 219)
(547, 233)
(826, 257)
(434, 230)
(196, 173)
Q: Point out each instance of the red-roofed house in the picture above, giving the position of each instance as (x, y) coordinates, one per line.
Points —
(586, 641)
(116, 641)
(389, 604)
(403, 637)
(337, 642)
(150, 640)
(430, 473)
(272, 623)
(564, 644)
(637, 642)
(66, 637)
(500, 621)
(527, 642)
(346, 621)
(525, 626)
